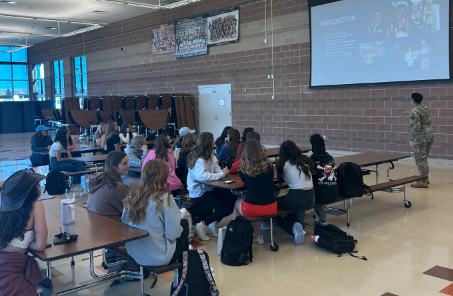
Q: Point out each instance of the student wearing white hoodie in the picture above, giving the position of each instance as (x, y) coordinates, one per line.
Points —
(204, 166)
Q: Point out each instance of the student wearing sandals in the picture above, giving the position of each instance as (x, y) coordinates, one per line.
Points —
(257, 173)
(204, 166)
(107, 190)
(325, 181)
(136, 150)
(188, 143)
(111, 139)
(100, 133)
(220, 142)
(162, 150)
(229, 151)
(58, 163)
(126, 134)
(152, 208)
(296, 170)
(23, 222)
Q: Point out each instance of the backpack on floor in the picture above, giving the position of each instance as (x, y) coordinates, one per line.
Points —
(350, 181)
(333, 238)
(55, 183)
(237, 244)
(194, 278)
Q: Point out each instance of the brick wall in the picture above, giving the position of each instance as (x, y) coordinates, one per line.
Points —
(352, 119)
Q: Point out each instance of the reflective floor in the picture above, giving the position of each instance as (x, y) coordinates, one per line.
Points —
(400, 244)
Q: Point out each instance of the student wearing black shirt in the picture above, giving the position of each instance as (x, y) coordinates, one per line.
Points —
(189, 141)
(111, 140)
(324, 181)
(257, 173)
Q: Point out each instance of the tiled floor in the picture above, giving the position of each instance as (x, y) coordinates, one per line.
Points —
(400, 244)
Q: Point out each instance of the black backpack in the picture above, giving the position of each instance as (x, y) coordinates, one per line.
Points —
(55, 183)
(333, 238)
(350, 181)
(194, 278)
(237, 244)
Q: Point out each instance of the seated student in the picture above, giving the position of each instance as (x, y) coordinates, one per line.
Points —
(107, 190)
(251, 135)
(100, 133)
(111, 139)
(245, 132)
(126, 134)
(23, 221)
(296, 170)
(41, 141)
(204, 166)
(182, 133)
(162, 150)
(257, 173)
(325, 181)
(152, 208)
(136, 150)
(187, 144)
(229, 151)
(71, 143)
(58, 163)
(220, 142)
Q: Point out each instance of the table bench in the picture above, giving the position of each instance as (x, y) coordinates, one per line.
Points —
(121, 251)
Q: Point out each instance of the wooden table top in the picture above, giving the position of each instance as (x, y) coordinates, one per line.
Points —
(92, 158)
(83, 149)
(273, 152)
(95, 232)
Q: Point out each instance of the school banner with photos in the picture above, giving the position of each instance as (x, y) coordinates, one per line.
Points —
(163, 39)
(191, 39)
(223, 27)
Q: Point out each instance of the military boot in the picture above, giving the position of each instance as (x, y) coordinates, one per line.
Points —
(420, 184)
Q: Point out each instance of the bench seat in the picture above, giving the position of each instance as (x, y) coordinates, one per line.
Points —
(70, 174)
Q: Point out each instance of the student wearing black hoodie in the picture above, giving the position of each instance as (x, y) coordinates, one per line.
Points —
(325, 181)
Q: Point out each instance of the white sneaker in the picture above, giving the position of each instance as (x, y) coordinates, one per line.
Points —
(258, 239)
(299, 233)
(201, 231)
(214, 227)
(76, 188)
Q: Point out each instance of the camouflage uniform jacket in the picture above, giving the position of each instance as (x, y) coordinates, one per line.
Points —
(421, 128)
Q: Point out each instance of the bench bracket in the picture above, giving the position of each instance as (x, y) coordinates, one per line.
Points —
(346, 209)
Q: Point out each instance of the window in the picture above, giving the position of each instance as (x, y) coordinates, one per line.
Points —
(80, 76)
(58, 79)
(38, 82)
(13, 74)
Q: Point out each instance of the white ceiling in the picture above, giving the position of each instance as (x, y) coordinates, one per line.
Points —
(70, 10)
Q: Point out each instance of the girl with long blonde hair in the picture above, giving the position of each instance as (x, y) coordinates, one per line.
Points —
(151, 207)
(257, 173)
(111, 139)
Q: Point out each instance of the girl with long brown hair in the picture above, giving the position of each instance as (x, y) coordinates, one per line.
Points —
(111, 139)
(296, 170)
(107, 190)
(257, 172)
(204, 166)
(162, 150)
(152, 208)
(229, 151)
(220, 141)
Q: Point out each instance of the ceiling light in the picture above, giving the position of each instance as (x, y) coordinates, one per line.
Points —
(9, 2)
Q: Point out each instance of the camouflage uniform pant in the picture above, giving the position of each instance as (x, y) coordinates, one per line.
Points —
(422, 150)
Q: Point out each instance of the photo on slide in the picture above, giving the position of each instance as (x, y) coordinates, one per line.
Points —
(372, 57)
(414, 56)
(389, 21)
(425, 16)
(223, 27)
(163, 39)
(191, 39)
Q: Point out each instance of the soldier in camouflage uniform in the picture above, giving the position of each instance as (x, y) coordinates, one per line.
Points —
(422, 136)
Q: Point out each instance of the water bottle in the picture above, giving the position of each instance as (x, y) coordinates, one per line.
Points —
(68, 215)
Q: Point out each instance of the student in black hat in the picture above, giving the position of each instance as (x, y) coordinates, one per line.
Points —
(24, 227)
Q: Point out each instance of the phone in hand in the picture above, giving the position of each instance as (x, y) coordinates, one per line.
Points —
(229, 181)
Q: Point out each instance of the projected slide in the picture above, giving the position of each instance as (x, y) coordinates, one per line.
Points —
(369, 42)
